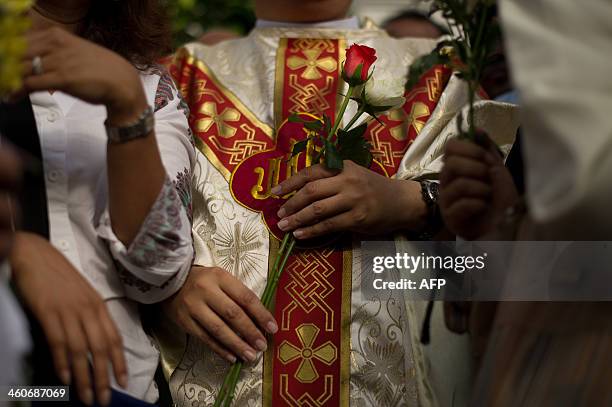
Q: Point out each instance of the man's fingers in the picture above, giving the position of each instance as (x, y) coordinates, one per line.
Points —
(247, 299)
(115, 348)
(466, 208)
(464, 188)
(218, 329)
(56, 337)
(193, 328)
(77, 347)
(330, 225)
(464, 148)
(314, 213)
(306, 175)
(308, 194)
(100, 352)
(457, 166)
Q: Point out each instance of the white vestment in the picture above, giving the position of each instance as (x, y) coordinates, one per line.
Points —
(388, 366)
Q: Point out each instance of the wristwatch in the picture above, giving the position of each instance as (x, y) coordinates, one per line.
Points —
(430, 192)
(140, 128)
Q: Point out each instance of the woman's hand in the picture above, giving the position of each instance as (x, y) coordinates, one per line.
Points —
(475, 189)
(355, 199)
(73, 316)
(218, 309)
(86, 71)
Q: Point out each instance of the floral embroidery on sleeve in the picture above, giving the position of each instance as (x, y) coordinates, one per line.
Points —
(160, 231)
(182, 184)
(130, 280)
(164, 93)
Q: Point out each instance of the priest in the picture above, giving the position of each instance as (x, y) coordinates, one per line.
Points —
(327, 344)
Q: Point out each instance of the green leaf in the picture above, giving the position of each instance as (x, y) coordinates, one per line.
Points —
(353, 146)
(294, 118)
(354, 134)
(299, 147)
(333, 161)
(314, 125)
(327, 123)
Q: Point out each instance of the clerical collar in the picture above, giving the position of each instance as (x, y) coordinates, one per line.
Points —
(351, 23)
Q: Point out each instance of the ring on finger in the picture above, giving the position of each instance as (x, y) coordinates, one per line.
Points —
(37, 67)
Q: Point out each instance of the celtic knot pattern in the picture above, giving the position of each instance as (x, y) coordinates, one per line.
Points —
(309, 286)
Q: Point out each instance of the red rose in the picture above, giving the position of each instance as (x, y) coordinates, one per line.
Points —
(359, 60)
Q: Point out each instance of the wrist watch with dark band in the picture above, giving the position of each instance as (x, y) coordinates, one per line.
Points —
(430, 193)
(143, 126)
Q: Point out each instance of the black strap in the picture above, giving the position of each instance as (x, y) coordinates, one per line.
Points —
(18, 125)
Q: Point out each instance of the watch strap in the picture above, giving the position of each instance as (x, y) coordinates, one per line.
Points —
(138, 129)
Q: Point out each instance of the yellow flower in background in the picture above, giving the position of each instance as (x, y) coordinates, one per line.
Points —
(13, 25)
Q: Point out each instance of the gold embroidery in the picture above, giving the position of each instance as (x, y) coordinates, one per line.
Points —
(259, 191)
(307, 335)
(220, 120)
(321, 44)
(399, 132)
(309, 286)
(306, 400)
(435, 86)
(241, 149)
(312, 63)
(418, 112)
(310, 271)
(384, 151)
(310, 98)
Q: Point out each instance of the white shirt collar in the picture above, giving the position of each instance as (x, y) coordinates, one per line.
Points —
(351, 23)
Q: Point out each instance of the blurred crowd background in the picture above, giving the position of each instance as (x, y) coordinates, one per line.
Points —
(194, 18)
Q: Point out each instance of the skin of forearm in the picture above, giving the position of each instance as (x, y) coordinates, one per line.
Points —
(135, 177)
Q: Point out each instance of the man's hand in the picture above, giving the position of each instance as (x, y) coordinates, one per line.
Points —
(10, 177)
(73, 316)
(475, 189)
(355, 199)
(217, 308)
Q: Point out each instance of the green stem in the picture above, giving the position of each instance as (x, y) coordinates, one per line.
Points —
(226, 386)
(340, 115)
(281, 250)
(234, 377)
(273, 283)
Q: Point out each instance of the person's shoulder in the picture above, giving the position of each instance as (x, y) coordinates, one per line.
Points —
(199, 50)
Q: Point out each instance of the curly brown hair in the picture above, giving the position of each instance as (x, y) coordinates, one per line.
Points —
(138, 30)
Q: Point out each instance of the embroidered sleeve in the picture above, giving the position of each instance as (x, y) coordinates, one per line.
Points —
(158, 260)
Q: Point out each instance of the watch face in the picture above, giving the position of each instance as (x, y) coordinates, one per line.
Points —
(434, 190)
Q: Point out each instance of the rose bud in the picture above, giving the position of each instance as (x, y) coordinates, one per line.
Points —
(359, 60)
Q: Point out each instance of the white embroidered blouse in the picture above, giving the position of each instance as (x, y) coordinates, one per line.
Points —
(73, 142)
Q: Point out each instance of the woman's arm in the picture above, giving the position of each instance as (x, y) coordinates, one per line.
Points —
(99, 76)
(156, 262)
(144, 221)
